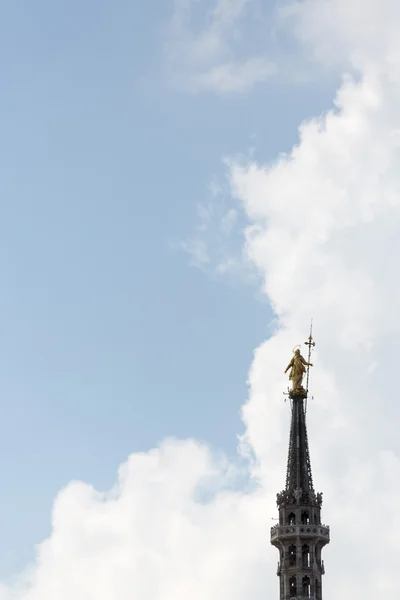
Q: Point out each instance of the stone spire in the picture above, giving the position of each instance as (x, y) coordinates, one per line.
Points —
(299, 536)
(298, 475)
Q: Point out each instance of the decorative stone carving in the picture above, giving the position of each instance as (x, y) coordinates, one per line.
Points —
(298, 496)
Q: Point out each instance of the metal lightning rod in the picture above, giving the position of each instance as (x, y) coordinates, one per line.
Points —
(311, 344)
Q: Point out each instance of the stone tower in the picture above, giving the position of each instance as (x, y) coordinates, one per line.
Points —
(299, 535)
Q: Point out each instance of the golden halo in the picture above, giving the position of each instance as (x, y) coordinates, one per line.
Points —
(295, 348)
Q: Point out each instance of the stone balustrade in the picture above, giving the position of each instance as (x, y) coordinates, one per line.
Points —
(283, 531)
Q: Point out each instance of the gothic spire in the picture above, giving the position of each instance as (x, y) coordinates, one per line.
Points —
(298, 474)
(299, 535)
(299, 483)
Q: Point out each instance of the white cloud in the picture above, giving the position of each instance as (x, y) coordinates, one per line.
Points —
(215, 247)
(324, 237)
(197, 249)
(235, 77)
(154, 537)
(203, 58)
(361, 34)
(228, 221)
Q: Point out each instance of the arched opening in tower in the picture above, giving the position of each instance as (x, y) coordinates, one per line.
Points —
(306, 586)
(292, 556)
(292, 518)
(293, 586)
(305, 517)
(305, 554)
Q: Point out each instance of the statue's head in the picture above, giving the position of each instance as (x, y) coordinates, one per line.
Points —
(297, 351)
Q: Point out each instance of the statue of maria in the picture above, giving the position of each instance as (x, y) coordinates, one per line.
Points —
(298, 368)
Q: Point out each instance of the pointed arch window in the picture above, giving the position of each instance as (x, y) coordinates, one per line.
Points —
(305, 517)
(292, 518)
(306, 586)
(305, 556)
(292, 555)
(293, 586)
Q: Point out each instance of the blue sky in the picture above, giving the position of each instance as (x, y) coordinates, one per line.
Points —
(110, 338)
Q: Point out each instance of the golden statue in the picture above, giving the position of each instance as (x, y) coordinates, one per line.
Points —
(298, 368)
